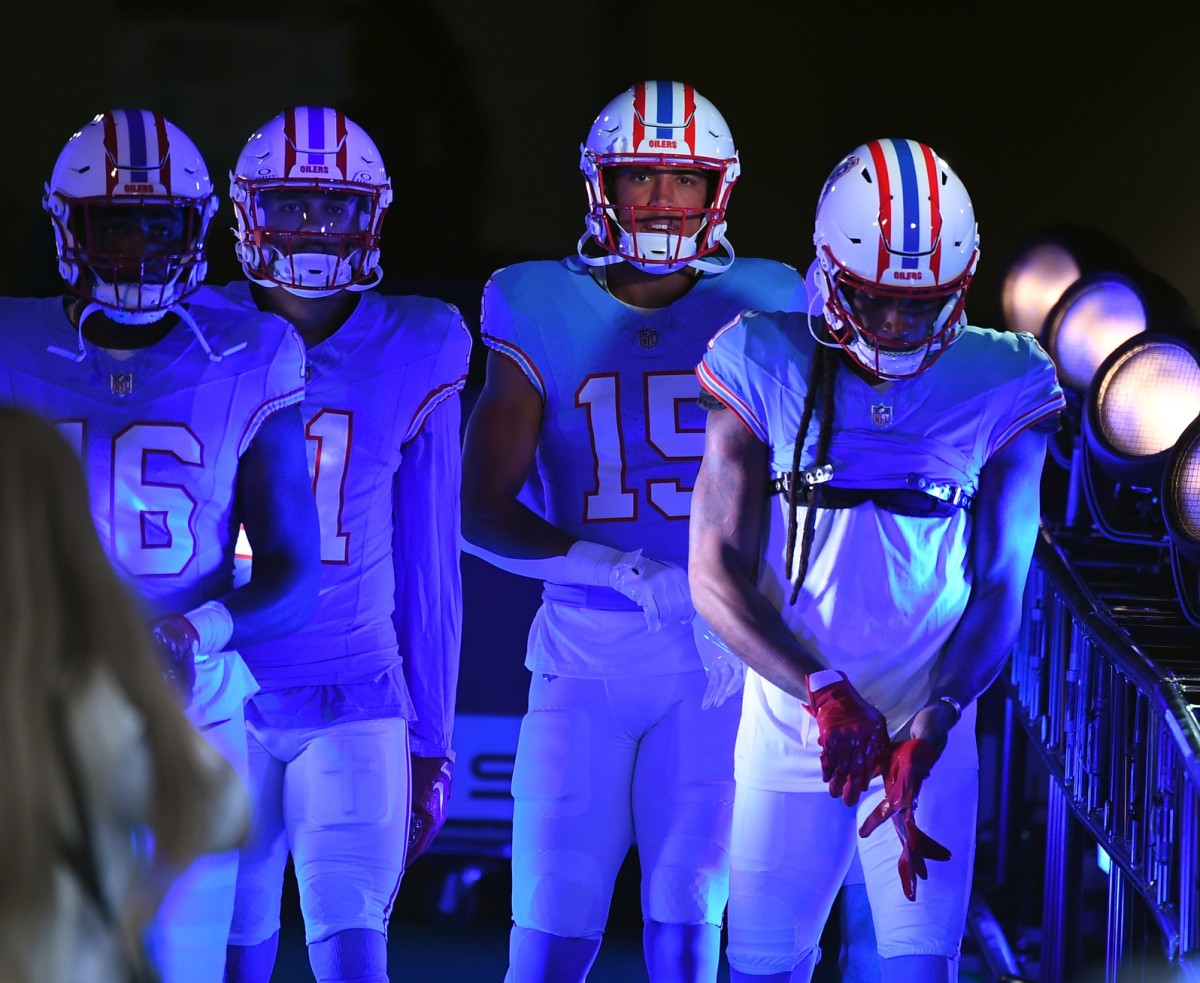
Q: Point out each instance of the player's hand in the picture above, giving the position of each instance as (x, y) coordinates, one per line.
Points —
(909, 764)
(660, 589)
(915, 848)
(853, 737)
(177, 643)
(431, 779)
(726, 672)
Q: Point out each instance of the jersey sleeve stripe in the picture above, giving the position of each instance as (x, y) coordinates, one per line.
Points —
(720, 391)
(523, 361)
(433, 399)
(263, 411)
(1032, 418)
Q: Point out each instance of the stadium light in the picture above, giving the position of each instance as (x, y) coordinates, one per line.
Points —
(1142, 398)
(1181, 513)
(1046, 264)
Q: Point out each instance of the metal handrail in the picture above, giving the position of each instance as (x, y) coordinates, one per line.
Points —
(1118, 731)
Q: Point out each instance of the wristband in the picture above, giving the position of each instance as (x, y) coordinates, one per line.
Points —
(953, 704)
(213, 624)
(590, 563)
(822, 678)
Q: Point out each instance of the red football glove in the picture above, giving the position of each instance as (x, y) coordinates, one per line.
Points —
(853, 737)
(431, 778)
(177, 642)
(908, 765)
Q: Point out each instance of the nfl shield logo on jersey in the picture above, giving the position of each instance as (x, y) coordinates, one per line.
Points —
(881, 416)
(121, 383)
(647, 337)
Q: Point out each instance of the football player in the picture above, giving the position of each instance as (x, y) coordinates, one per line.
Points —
(903, 452)
(188, 423)
(579, 461)
(350, 731)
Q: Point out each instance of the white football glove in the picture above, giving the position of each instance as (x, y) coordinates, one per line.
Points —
(660, 589)
(726, 672)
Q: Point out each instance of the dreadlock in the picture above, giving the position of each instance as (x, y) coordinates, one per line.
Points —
(821, 375)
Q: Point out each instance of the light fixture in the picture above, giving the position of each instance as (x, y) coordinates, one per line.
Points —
(1142, 398)
(1101, 310)
(1181, 513)
(1046, 264)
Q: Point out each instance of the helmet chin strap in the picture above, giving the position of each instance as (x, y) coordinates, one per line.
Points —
(705, 264)
(178, 310)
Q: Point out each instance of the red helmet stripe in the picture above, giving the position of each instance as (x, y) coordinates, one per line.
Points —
(164, 151)
(885, 205)
(289, 143)
(689, 114)
(639, 114)
(935, 211)
(342, 144)
(111, 149)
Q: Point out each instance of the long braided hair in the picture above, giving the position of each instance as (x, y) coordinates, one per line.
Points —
(821, 376)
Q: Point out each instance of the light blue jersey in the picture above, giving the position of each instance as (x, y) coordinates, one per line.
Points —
(618, 389)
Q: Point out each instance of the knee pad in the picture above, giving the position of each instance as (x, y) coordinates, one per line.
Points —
(771, 928)
(562, 902)
(534, 955)
(679, 895)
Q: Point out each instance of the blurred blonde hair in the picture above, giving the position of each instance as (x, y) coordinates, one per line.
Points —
(65, 615)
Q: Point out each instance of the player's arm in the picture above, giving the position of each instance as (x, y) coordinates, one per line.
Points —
(429, 599)
(1004, 528)
(498, 454)
(276, 506)
(428, 614)
(728, 512)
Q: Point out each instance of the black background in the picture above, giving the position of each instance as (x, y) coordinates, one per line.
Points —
(479, 107)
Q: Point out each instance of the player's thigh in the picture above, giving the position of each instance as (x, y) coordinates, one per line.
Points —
(263, 857)
(572, 820)
(789, 853)
(946, 810)
(683, 804)
(346, 807)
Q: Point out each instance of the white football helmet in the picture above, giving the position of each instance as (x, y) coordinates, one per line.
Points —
(659, 124)
(305, 161)
(896, 224)
(131, 201)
